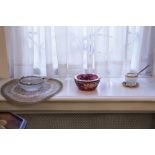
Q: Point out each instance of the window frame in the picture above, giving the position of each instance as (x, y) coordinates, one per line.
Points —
(4, 65)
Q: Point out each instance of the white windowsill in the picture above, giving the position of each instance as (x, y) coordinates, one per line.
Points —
(109, 96)
(109, 89)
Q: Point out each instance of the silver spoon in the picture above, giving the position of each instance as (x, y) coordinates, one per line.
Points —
(142, 70)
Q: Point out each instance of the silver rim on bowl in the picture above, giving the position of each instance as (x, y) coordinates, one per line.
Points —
(20, 80)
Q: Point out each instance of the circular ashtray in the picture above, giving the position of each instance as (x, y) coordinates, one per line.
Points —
(126, 85)
(87, 82)
(13, 92)
(31, 83)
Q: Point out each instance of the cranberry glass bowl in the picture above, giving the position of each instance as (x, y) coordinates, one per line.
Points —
(87, 82)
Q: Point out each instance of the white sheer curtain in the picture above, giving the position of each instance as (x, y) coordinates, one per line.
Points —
(66, 51)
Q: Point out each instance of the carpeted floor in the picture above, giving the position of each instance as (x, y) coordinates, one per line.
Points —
(90, 121)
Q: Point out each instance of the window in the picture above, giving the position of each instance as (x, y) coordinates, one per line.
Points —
(66, 51)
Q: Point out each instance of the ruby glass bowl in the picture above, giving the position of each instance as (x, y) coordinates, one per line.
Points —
(87, 82)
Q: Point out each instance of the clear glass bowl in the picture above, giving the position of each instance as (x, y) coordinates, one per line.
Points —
(31, 83)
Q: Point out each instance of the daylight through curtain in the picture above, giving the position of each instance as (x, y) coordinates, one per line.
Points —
(66, 51)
